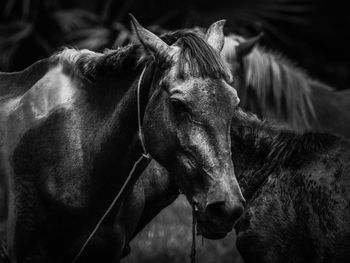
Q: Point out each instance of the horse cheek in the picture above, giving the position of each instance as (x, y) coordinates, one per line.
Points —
(157, 135)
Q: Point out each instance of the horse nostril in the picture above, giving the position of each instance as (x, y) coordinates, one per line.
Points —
(237, 211)
(223, 215)
(216, 209)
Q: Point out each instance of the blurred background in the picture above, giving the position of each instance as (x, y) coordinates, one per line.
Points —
(313, 33)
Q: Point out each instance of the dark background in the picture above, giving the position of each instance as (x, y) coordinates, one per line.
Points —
(313, 33)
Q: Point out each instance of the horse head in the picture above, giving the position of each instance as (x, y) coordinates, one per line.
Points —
(187, 121)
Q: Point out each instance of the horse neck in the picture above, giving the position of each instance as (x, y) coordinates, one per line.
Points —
(121, 131)
(258, 150)
(107, 108)
(160, 190)
(248, 153)
(261, 149)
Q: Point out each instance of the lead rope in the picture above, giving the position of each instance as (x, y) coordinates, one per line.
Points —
(144, 157)
(193, 247)
(145, 152)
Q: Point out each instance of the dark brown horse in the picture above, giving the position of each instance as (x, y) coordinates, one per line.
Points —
(297, 189)
(69, 138)
(298, 192)
(270, 85)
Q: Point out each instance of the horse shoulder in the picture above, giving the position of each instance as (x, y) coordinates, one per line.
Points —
(52, 91)
(38, 121)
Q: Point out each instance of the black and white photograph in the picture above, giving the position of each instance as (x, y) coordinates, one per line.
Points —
(199, 131)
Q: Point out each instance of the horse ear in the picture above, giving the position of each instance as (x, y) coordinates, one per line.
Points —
(247, 46)
(148, 40)
(215, 35)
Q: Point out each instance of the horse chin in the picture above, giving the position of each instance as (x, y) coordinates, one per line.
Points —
(205, 232)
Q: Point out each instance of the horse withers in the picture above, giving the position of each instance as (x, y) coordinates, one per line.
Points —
(70, 138)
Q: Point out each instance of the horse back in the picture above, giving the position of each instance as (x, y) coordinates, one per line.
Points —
(13, 85)
(28, 99)
(16, 83)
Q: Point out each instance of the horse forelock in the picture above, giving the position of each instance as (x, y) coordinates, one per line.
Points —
(280, 86)
(197, 58)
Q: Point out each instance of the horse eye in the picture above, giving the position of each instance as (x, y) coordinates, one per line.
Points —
(178, 105)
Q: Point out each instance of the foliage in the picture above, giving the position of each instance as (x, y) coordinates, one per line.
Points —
(310, 32)
(43, 26)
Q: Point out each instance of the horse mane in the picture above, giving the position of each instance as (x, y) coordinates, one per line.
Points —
(200, 58)
(89, 64)
(197, 58)
(278, 85)
(281, 144)
(17, 83)
(275, 78)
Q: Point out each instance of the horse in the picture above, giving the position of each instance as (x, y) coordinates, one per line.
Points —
(73, 127)
(298, 193)
(270, 85)
(297, 188)
(260, 225)
(155, 189)
(162, 194)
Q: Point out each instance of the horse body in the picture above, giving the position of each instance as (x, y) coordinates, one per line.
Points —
(56, 177)
(331, 108)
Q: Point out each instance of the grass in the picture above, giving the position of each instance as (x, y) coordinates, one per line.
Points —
(168, 238)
